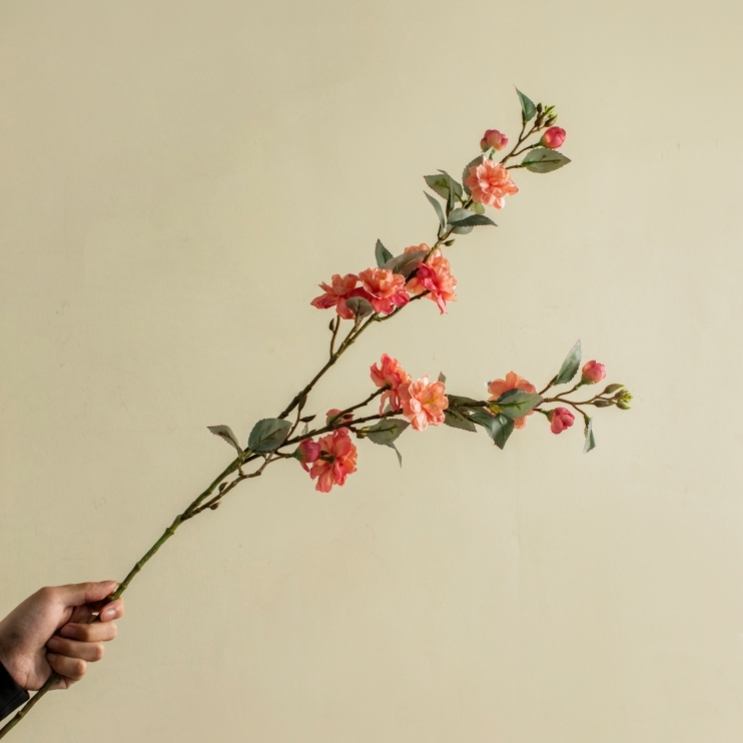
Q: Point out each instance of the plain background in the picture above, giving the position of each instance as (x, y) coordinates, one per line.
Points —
(177, 177)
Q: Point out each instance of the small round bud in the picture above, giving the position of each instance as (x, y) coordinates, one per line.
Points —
(560, 419)
(493, 138)
(553, 138)
(593, 372)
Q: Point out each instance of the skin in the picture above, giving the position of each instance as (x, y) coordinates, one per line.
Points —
(49, 632)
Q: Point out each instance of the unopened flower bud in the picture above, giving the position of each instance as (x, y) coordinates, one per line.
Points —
(553, 138)
(493, 138)
(593, 372)
(603, 403)
(622, 405)
(551, 120)
(307, 452)
(612, 388)
(623, 399)
(560, 419)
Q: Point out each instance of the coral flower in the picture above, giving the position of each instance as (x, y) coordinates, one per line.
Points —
(490, 183)
(308, 452)
(593, 372)
(384, 289)
(435, 277)
(337, 460)
(337, 292)
(560, 419)
(388, 373)
(423, 404)
(512, 382)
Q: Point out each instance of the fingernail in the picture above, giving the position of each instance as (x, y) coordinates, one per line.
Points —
(108, 614)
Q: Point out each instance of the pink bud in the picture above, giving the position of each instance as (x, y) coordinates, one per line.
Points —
(493, 138)
(593, 372)
(308, 452)
(553, 138)
(560, 419)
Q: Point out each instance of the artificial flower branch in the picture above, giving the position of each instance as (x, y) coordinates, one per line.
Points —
(378, 294)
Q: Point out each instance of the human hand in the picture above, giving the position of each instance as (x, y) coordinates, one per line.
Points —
(56, 620)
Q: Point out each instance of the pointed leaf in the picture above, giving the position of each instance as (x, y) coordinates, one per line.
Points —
(544, 160)
(386, 431)
(570, 366)
(381, 254)
(442, 377)
(459, 401)
(466, 172)
(268, 434)
(528, 109)
(226, 434)
(517, 403)
(360, 306)
(438, 183)
(499, 426)
(455, 419)
(437, 208)
(457, 215)
(452, 184)
(474, 220)
(405, 263)
(590, 438)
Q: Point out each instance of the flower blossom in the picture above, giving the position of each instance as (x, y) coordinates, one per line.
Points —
(493, 138)
(512, 382)
(337, 460)
(307, 452)
(560, 419)
(434, 277)
(388, 373)
(337, 292)
(423, 404)
(593, 372)
(553, 137)
(490, 183)
(384, 289)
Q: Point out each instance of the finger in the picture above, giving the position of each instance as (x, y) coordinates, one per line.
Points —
(72, 669)
(90, 651)
(77, 594)
(96, 632)
(114, 610)
(107, 611)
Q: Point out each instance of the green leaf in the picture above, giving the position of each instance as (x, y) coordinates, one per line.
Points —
(405, 263)
(466, 172)
(517, 403)
(437, 208)
(459, 401)
(528, 109)
(226, 434)
(590, 438)
(457, 215)
(474, 220)
(442, 377)
(544, 160)
(381, 254)
(453, 186)
(455, 419)
(268, 434)
(499, 426)
(360, 306)
(439, 184)
(477, 208)
(570, 366)
(386, 431)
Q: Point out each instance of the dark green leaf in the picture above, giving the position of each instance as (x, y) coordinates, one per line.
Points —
(459, 401)
(225, 433)
(570, 366)
(442, 377)
(474, 220)
(453, 185)
(458, 215)
(381, 254)
(439, 184)
(466, 172)
(590, 438)
(437, 208)
(544, 160)
(405, 263)
(499, 426)
(268, 434)
(455, 419)
(528, 109)
(386, 431)
(360, 306)
(517, 403)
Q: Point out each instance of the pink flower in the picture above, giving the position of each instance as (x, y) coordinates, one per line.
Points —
(337, 460)
(423, 404)
(308, 452)
(512, 382)
(560, 419)
(333, 412)
(337, 292)
(388, 373)
(493, 138)
(553, 138)
(384, 289)
(490, 183)
(434, 277)
(593, 372)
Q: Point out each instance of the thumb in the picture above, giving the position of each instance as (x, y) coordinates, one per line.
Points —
(77, 594)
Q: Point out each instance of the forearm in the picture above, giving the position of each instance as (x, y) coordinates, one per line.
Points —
(12, 696)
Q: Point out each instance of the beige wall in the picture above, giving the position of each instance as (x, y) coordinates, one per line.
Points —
(176, 177)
